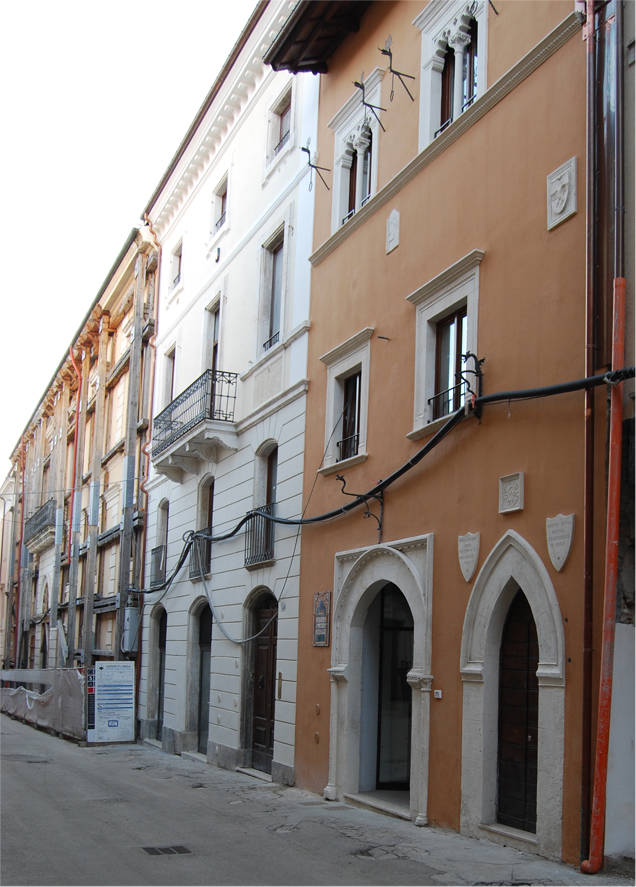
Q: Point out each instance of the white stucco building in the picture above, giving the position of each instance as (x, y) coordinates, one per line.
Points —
(233, 215)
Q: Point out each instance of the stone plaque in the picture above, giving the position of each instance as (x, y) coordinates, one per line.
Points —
(468, 552)
(511, 493)
(322, 607)
(392, 231)
(559, 531)
(561, 195)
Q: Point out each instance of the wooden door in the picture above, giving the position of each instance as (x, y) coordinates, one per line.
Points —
(518, 719)
(161, 665)
(264, 685)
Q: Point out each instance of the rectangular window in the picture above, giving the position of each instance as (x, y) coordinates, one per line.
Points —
(274, 293)
(283, 121)
(448, 79)
(169, 376)
(348, 445)
(451, 344)
(220, 206)
(469, 85)
(176, 266)
(201, 557)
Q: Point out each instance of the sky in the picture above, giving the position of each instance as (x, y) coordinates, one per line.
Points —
(95, 98)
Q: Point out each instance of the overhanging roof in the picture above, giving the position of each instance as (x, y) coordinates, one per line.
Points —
(313, 32)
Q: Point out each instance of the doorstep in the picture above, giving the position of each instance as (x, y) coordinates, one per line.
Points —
(388, 802)
(256, 774)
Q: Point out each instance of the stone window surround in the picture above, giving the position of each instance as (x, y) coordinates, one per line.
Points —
(444, 23)
(342, 361)
(513, 563)
(349, 126)
(281, 229)
(272, 157)
(456, 285)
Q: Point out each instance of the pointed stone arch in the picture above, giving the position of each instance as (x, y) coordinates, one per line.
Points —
(359, 577)
(512, 564)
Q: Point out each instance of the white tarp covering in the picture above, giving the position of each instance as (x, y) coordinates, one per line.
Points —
(52, 698)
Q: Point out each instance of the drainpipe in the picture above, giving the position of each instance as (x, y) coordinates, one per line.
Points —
(18, 632)
(588, 481)
(594, 862)
(146, 446)
(72, 589)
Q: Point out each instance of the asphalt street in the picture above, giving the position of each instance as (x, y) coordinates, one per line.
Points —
(130, 814)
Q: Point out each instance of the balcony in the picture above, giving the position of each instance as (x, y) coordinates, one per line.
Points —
(446, 402)
(39, 529)
(259, 538)
(195, 425)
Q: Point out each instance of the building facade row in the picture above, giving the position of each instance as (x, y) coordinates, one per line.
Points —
(358, 541)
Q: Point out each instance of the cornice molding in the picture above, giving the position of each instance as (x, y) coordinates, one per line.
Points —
(550, 44)
(346, 347)
(448, 276)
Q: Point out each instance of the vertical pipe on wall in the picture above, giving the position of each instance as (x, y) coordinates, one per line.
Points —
(588, 481)
(595, 859)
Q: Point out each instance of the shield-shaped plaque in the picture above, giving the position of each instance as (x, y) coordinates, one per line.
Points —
(468, 552)
(559, 531)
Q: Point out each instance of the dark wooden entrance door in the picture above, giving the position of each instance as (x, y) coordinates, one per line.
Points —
(264, 684)
(394, 693)
(518, 719)
(161, 665)
(205, 649)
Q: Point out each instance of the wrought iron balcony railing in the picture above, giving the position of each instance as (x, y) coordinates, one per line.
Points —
(201, 556)
(259, 537)
(348, 447)
(445, 402)
(273, 340)
(211, 396)
(43, 518)
(157, 565)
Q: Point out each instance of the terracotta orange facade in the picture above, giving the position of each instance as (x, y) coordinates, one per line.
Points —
(478, 226)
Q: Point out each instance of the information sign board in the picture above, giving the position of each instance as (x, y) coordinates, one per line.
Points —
(113, 690)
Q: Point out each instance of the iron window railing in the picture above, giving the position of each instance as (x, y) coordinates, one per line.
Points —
(157, 565)
(283, 140)
(348, 447)
(273, 340)
(43, 517)
(259, 537)
(220, 221)
(201, 555)
(211, 396)
(444, 402)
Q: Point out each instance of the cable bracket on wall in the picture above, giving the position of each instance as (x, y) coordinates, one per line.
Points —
(477, 379)
(314, 166)
(373, 108)
(399, 74)
(379, 498)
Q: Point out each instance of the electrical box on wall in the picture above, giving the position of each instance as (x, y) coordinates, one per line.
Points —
(129, 634)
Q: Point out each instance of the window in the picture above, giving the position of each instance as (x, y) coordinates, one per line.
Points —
(220, 206)
(259, 532)
(445, 329)
(201, 558)
(347, 400)
(451, 344)
(273, 292)
(159, 553)
(280, 123)
(453, 62)
(169, 376)
(176, 266)
(348, 446)
(355, 161)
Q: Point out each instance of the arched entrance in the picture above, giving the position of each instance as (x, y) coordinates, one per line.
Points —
(160, 659)
(512, 598)
(263, 680)
(380, 677)
(385, 716)
(203, 705)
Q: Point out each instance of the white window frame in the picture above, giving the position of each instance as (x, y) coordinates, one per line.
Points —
(273, 156)
(176, 262)
(267, 251)
(341, 362)
(455, 286)
(222, 188)
(445, 23)
(349, 126)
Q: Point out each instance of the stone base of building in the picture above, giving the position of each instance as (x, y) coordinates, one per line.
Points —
(283, 774)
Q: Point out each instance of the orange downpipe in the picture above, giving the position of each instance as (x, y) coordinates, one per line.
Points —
(78, 373)
(597, 827)
(19, 588)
